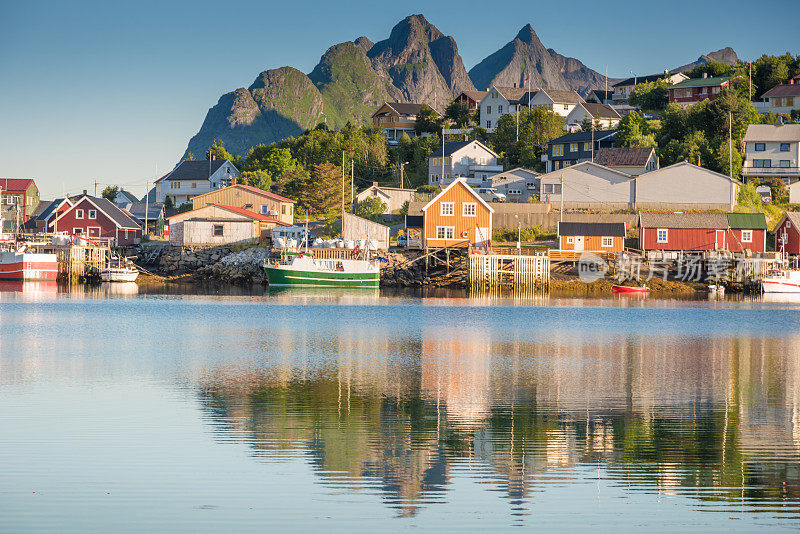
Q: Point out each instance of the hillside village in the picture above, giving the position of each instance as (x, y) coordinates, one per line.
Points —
(518, 161)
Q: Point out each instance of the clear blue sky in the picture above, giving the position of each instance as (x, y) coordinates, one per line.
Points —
(112, 91)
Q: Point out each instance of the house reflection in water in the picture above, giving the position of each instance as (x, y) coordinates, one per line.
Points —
(403, 414)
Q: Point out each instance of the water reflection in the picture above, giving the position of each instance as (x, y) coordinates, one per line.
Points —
(715, 419)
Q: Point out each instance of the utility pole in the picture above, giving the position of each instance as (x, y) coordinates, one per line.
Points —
(750, 83)
(342, 186)
(352, 185)
(146, 204)
(95, 188)
(517, 123)
(402, 166)
(561, 209)
(730, 153)
(442, 176)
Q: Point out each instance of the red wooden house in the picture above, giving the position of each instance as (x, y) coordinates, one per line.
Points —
(96, 217)
(698, 89)
(787, 233)
(703, 231)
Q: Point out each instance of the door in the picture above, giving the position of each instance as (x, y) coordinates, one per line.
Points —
(482, 237)
(578, 242)
(720, 241)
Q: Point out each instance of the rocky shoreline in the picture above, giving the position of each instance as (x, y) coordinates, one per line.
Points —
(405, 269)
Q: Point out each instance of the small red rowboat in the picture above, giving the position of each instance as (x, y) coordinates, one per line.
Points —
(627, 289)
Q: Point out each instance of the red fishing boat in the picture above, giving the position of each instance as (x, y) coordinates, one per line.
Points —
(27, 266)
(628, 289)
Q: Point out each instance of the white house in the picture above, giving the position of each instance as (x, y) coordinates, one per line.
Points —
(560, 101)
(191, 178)
(772, 151)
(784, 98)
(501, 100)
(471, 160)
(518, 185)
(603, 116)
(588, 184)
(686, 186)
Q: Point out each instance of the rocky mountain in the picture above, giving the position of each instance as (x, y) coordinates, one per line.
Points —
(724, 55)
(280, 103)
(416, 63)
(578, 76)
(524, 56)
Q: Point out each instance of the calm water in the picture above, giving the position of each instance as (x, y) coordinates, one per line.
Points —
(360, 413)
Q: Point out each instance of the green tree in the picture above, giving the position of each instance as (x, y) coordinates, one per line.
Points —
(634, 132)
(186, 206)
(537, 126)
(258, 178)
(650, 95)
(428, 121)
(168, 204)
(320, 193)
(458, 113)
(749, 197)
(218, 151)
(370, 208)
(110, 192)
(722, 158)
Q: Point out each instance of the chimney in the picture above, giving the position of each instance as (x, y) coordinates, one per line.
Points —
(84, 192)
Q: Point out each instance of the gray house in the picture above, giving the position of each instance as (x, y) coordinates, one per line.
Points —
(518, 185)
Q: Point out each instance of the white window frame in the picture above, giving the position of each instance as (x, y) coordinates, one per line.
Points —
(447, 209)
(747, 236)
(78, 214)
(469, 209)
(658, 235)
(447, 232)
(607, 242)
(570, 240)
(92, 214)
(90, 228)
(77, 231)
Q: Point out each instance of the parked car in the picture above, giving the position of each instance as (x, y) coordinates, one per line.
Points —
(491, 194)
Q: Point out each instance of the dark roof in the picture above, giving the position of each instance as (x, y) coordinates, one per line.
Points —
(601, 94)
(449, 148)
(592, 229)
(474, 95)
(783, 90)
(641, 79)
(403, 108)
(517, 95)
(622, 156)
(561, 96)
(125, 196)
(577, 137)
(111, 210)
(747, 221)
(601, 111)
(414, 221)
(47, 209)
(137, 209)
(196, 170)
(684, 220)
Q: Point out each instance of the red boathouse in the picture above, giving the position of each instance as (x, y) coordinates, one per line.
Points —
(696, 232)
(97, 217)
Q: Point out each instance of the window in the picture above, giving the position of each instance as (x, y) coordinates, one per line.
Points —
(566, 106)
(469, 209)
(607, 242)
(662, 235)
(499, 110)
(446, 176)
(447, 209)
(488, 124)
(435, 162)
(218, 230)
(760, 147)
(445, 232)
(79, 214)
(194, 185)
(494, 94)
(531, 185)
(558, 150)
(784, 147)
(587, 147)
(283, 209)
(784, 163)
(488, 110)
(77, 231)
(92, 214)
(570, 240)
(126, 234)
(434, 177)
(573, 147)
(747, 236)
(762, 163)
(264, 209)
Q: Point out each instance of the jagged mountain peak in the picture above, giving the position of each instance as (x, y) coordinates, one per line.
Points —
(527, 35)
(364, 43)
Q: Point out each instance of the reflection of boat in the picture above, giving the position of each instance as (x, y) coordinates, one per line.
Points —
(120, 288)
(119, 271)
(36, 288)
(628, 289)
(304, 270)
(716, 289)
(26, 266)
(783, 281)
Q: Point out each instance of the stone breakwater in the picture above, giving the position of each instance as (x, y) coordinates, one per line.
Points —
(213, 263)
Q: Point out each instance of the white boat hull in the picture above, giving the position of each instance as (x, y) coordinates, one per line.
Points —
(780, 286)
(119, 275)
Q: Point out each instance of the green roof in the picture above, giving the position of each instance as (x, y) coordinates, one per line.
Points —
(747, 221)
(701, 82)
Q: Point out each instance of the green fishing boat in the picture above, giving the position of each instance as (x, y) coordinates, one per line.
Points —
(305, 270)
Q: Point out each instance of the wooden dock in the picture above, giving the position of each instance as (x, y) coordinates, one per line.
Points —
(507, 270)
